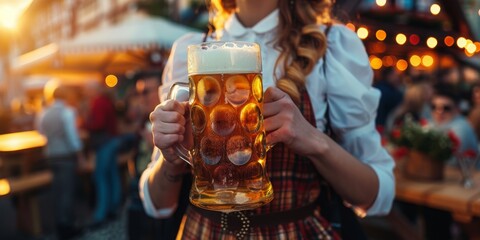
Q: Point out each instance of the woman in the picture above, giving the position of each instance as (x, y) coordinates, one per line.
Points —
(291, 36)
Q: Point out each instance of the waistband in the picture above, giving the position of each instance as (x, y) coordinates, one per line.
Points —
(239, 223)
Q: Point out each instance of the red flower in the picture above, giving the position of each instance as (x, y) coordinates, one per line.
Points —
(455, 140)
(400, 152)
(470, 153)
(396, 133)
(423, 122)
(380, 129)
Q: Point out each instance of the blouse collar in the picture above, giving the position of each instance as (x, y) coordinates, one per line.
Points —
(236, 29)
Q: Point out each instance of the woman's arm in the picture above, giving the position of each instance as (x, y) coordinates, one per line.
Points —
(355, 181)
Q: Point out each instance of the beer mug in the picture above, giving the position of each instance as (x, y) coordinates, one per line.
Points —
(225, 96)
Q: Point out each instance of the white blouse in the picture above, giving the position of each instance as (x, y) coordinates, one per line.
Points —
(347, 87)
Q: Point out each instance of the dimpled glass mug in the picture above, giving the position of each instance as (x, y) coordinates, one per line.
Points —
(225, 96)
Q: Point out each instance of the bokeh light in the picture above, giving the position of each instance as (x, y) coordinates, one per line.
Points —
(415, 60)
(381, 35)
(435, 9)
(362, 33)
(449, 41)
(351, 26)
(427, 61)
(389, 61)
(471, 48)
(111, 80)
(381, 3)
(414, 39)
(376, 63)
(432, 42)
(401, 38)
(402, 65)
(4, 187)
(461, 42)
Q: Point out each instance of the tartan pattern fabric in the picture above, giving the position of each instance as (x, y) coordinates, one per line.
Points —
(296, 183)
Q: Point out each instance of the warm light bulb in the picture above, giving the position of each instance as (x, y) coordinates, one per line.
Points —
(427, 61)
(401, 38)
(362, 33)
(381, 3)
(449, 41)
(471, 48)
(461, 42)
(111, 80)
(435, 9)
(381, 35)
(432, 42)
(402, 65)
(4, 187)
(376, 63)
(350, 26)
(415, 60)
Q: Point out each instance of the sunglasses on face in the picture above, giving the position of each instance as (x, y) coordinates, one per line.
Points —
(443, 108)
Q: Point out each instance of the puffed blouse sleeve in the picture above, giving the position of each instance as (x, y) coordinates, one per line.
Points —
(353, 105)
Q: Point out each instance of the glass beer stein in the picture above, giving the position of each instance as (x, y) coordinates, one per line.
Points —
(225, 96)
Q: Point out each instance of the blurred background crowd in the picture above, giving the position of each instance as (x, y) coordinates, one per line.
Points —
(99, 63)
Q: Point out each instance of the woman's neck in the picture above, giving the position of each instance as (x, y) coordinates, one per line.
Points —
(250, 12)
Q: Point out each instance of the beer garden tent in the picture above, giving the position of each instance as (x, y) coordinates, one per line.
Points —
(138, 42)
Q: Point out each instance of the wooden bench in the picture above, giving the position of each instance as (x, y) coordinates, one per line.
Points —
(28, 210)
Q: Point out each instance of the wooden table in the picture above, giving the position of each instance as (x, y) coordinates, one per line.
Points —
(21, 151)
(448, 194)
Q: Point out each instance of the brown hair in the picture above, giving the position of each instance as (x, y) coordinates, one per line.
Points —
(300, 41)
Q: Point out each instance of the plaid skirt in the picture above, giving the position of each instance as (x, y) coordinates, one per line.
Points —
(295, 182)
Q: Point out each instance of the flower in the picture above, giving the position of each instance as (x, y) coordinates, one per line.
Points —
(423, 138)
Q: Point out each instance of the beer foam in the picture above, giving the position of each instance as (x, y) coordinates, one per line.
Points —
(224, 57)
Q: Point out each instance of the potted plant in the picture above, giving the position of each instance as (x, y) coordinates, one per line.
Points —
(428, 149)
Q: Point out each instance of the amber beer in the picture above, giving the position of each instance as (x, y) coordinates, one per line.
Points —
(229, 153)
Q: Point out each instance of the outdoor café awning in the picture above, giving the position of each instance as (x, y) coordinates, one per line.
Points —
(130, 44)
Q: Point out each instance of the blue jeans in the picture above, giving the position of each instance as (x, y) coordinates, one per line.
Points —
(107, 179)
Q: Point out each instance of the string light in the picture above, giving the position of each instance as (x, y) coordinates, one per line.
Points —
(402, 65)
(381, 3)
(415, 60)
(362, 33)
(389, 61)
(471, 48)
(350, 26)
(376, 63)
(401, 38)
(4, 187)
(414, 39)
(449, 41)
(427, 61)
(435, 9)
(111, 80)
(461, 42)
(432, 42)
(381, 35)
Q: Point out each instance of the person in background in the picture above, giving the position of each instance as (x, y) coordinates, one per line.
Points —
(474, 114)
(140, 225)
(392, 95)
(415, 104)
(64, 152)
(446, 116)
(298, 86)
(101, 125)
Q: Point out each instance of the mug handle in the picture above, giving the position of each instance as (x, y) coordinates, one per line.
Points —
(180, 91)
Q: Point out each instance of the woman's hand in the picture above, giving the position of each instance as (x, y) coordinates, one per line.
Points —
(169, 127)
(285, 123)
